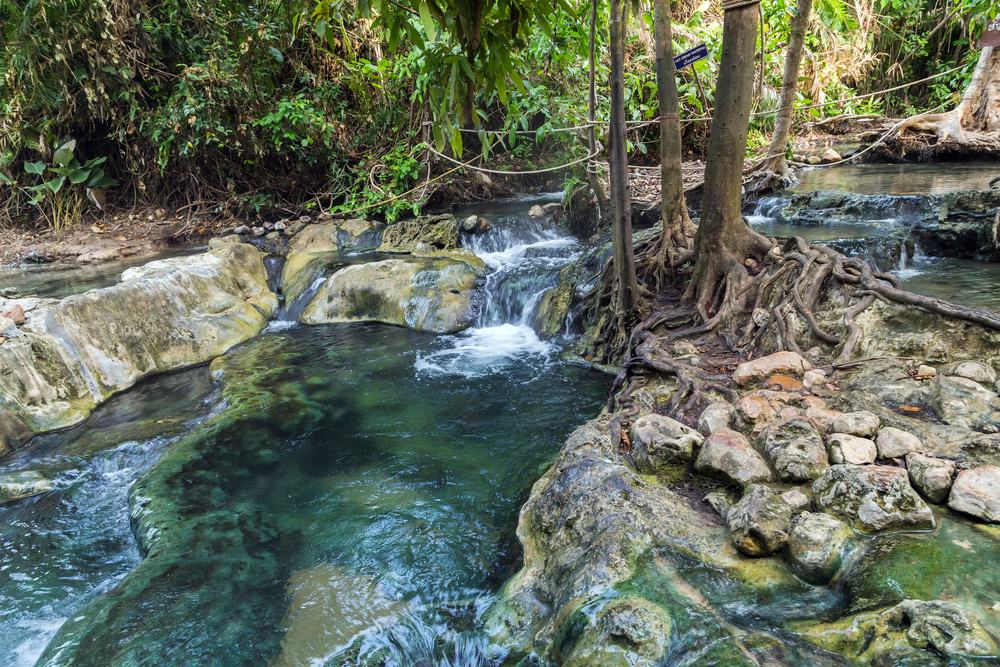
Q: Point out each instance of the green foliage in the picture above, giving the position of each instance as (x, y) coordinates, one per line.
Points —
(257, 106)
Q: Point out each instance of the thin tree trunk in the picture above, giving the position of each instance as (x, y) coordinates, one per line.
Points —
(673, 208)
(789, 88)
(724, 240)
(621, 207)
(593, 176)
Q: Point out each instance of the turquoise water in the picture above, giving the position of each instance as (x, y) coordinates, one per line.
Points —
(329, 497)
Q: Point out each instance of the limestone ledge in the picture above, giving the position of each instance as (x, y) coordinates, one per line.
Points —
(71, 355)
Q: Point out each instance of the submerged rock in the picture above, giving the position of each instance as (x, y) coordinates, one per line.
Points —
(874, 497)
(977, 492)
(728, 455)
(431, 293)
(911, 632)
(658, 442)
(816, 545)
(23, 484)
(626, 632)
(73, 354)
(759, 521)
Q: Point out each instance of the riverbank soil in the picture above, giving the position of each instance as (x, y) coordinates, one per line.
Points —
(107, 238)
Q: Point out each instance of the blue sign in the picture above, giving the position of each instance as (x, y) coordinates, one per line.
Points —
(690, 56)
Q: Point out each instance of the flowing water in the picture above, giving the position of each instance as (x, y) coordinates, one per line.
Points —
(60, 279)
(524, 256)
(884, 239)
(348, 488)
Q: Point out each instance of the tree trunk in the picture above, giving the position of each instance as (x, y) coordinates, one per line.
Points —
(775, 160)
(621, 208)
(975, 122)
(595, 180)
(471, 52)
(673, 208)
(724, 240)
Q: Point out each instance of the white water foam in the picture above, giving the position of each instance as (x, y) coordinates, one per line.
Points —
(486, 350)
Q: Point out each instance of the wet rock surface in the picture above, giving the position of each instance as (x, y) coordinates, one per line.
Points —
(977, 492)
(728, 455)
(872, 497)
(73, 354)
(432, 293)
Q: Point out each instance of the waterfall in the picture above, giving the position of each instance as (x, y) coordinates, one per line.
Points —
(524, 256)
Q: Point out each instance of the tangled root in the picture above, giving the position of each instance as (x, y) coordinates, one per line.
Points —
(790, 285)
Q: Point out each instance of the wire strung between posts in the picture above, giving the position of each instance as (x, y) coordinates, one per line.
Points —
(728, 5)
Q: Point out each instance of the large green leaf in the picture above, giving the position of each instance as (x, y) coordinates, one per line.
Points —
(56, 184)
(64, 154)
(34, 167)
(427, 21)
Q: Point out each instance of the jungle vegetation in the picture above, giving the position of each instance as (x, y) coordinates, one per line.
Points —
(256, 108)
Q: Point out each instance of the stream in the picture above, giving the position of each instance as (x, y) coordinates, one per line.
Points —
(351, 491)
(371, 498)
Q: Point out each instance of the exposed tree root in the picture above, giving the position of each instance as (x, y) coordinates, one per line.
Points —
(774, 308)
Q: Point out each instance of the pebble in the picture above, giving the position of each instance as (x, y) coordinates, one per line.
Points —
(258, 231)
(280, 226)
(925, 372)
(305, 219)
(242, 230)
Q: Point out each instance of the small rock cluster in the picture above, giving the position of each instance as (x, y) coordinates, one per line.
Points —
(287, 227)
(813, 477)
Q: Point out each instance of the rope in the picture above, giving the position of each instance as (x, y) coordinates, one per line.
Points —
(500, 172)
(410, 191)
(881, 140)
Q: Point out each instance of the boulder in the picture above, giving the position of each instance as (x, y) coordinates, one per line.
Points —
(432, 293)
(794, 449)
(851, 449)
(759, 521)
(930, 476)
(821, 418)
(895, 443)
(22, 484)
(961, 402)
(977, 492)
(830, 155)
(975, 371)
(873, 497)
(313, 248)
(536, 211)
(715, 417)
(436, 232)
(763, 367)
(75, 353)
(862, 423)
(15, 314)
(816, 545)
(658, 442)
(728, 455)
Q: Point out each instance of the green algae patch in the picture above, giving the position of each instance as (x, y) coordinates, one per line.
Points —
(956, 562)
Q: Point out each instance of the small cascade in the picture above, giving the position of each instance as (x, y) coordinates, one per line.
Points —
(524, 256)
